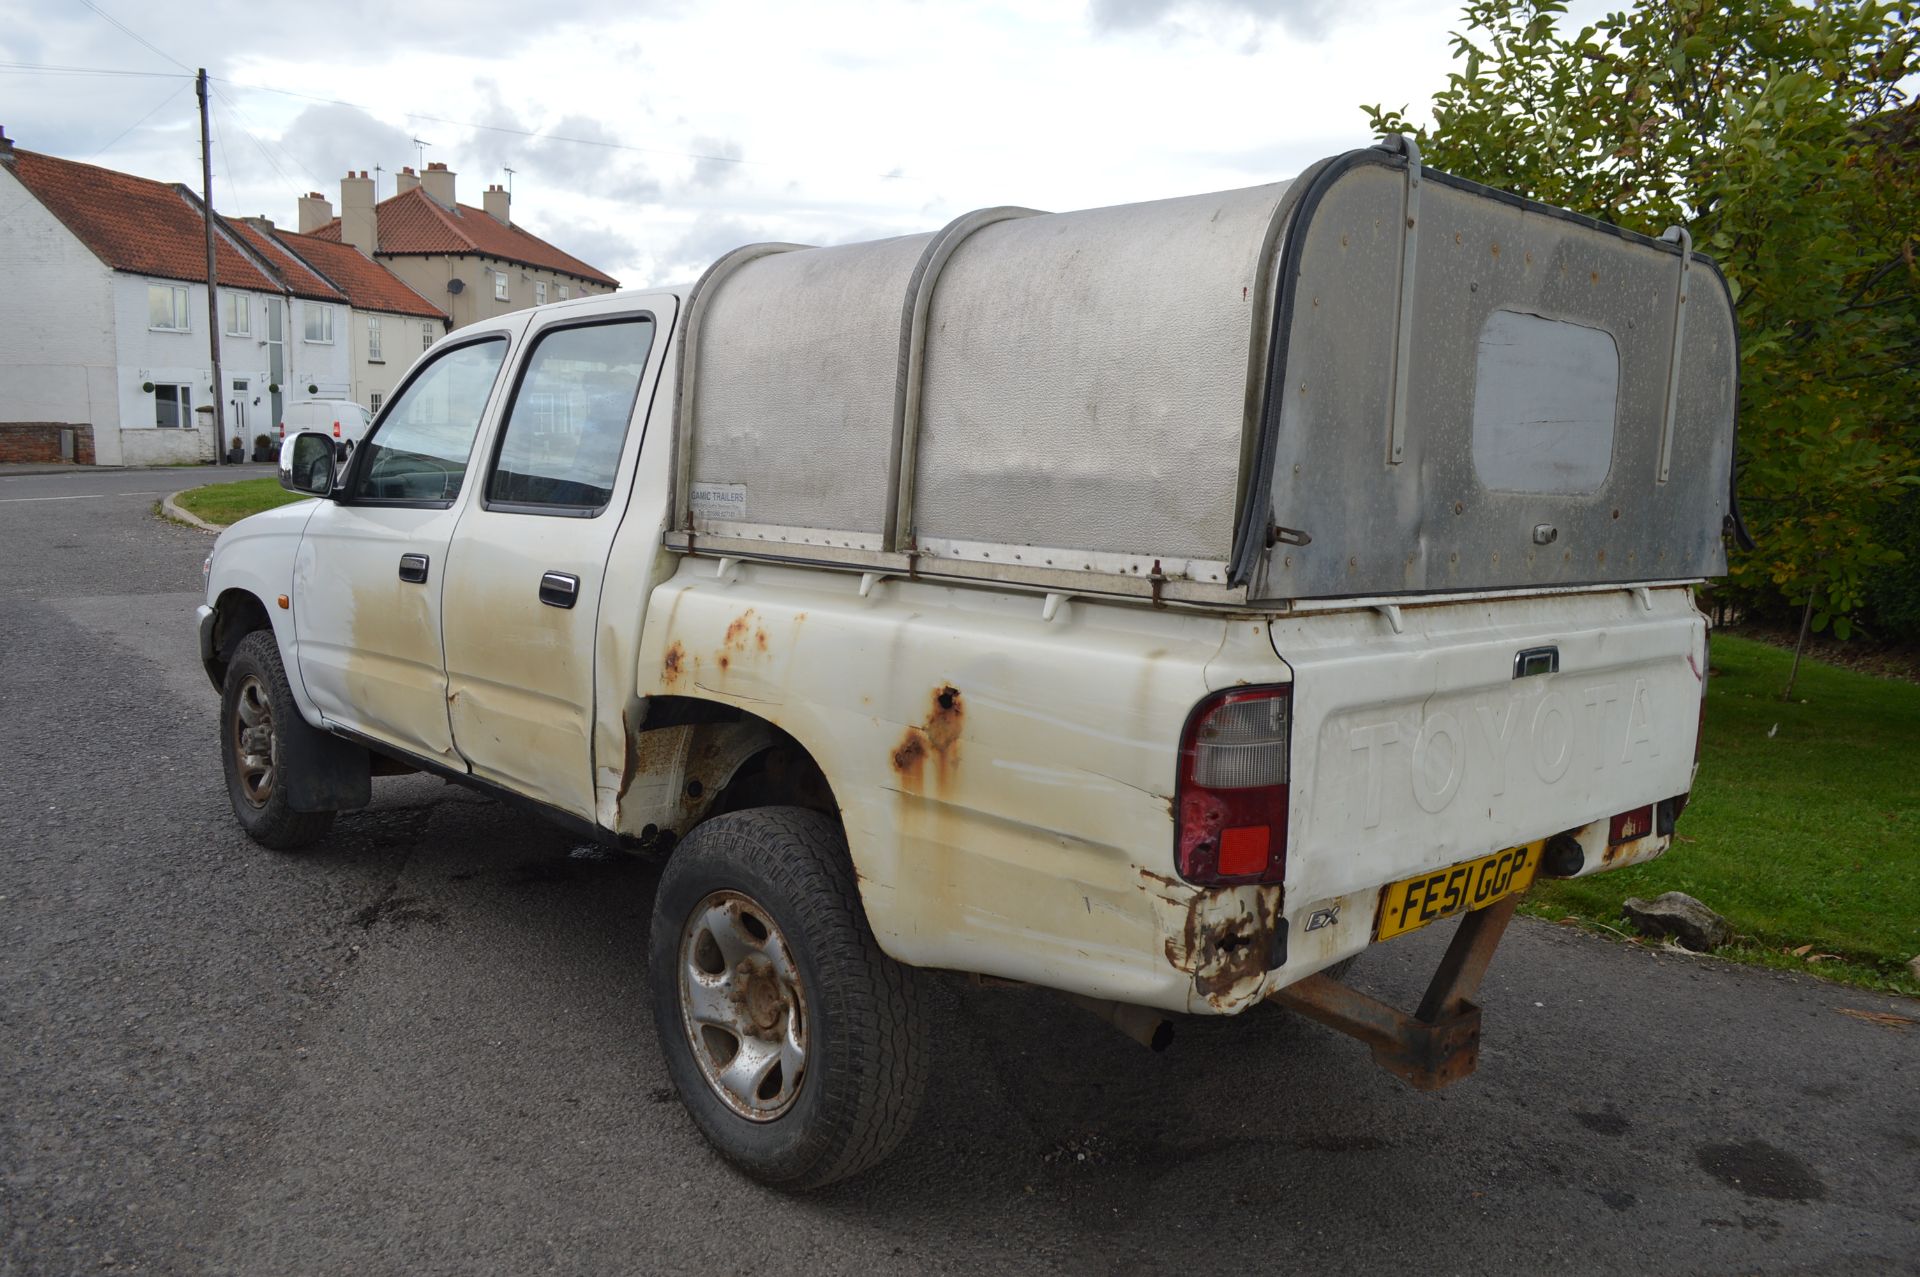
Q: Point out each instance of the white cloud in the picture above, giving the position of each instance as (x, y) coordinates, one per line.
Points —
(693, 123)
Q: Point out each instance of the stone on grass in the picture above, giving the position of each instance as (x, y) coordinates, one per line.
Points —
(1913, 965)
(1678, 915)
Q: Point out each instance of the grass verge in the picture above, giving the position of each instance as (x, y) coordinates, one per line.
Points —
(1804, 828)
(225, 503)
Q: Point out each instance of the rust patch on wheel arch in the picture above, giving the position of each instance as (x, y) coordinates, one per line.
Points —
(938, 737)
(674, 664)
(737, 630)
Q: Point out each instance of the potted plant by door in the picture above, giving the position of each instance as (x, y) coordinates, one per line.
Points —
(236, 451)
(262, 448)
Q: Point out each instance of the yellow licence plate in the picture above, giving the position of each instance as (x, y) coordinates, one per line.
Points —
(1414, 902)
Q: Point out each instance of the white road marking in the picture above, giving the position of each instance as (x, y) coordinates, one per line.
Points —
(91, 496)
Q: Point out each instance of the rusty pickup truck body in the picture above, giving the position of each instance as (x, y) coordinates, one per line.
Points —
(1159, 604)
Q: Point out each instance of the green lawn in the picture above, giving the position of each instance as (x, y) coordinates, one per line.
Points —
(225, 503)
(1808, 836)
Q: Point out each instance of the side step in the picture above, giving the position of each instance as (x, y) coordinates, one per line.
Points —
(1438, 1044)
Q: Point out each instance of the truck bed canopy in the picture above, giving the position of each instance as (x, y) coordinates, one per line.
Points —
(1373, 380)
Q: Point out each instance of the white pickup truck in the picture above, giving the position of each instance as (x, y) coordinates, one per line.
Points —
(1158, 603)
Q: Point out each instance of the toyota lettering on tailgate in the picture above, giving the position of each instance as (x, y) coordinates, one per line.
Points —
(1446, 748)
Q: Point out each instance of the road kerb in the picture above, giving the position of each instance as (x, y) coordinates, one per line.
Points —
(170, 510)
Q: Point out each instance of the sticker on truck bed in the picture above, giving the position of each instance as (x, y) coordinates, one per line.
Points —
(1414, 902)
(718, 502)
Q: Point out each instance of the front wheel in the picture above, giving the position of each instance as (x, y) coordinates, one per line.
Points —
(257, 713)
(794, 1042)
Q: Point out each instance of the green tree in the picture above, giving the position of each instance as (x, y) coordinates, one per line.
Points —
(1778, 133)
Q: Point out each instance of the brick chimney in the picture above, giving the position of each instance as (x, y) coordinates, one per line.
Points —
(405, 180)
(315, 212)
(260, 222)
(496, 200)
(357, 225)
(438, 181)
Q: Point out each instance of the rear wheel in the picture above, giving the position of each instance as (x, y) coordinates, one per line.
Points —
(794, 1042)
(257, 713)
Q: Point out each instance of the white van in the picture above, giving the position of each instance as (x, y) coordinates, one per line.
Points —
(341, 418)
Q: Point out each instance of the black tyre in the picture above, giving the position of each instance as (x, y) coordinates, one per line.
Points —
(794, 1042)
(256, 714)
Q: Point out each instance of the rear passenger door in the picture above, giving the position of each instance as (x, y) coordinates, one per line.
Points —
(522, 593)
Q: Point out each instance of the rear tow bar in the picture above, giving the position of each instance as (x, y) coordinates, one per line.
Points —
(1438, 1044)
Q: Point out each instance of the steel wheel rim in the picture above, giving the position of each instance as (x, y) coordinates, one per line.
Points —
(256, 747)
(743, 1006)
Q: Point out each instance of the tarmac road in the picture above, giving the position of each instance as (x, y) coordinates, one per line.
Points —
(424, 1048)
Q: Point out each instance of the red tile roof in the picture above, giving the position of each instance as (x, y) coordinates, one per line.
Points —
(414, 223)
(368, 284)
(299, 277)
(134, 224)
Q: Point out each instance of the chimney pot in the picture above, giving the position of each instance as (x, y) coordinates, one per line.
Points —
(315, 212)
(357, 224)
(496, 202)
(438, 182)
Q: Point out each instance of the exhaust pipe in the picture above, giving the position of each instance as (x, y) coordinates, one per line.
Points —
(1150, 1028)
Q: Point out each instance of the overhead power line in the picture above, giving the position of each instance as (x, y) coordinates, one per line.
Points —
(136, 37)
(48, 68)
(173, 93)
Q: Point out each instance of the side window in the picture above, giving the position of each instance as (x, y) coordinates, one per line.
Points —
(560, 449)
(420, 451)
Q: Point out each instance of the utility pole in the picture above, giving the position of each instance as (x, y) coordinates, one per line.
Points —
(213, 282)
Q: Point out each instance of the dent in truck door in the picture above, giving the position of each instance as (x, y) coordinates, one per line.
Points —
(367, 579)
(522, 593)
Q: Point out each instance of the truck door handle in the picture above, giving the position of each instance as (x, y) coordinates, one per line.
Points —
(413, 567)
(559, 589)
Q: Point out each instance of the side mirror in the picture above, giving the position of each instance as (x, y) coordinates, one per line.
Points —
(307, 464)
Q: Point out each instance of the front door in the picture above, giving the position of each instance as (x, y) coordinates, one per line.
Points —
(368, 579)
(522, 591)
(276, 364)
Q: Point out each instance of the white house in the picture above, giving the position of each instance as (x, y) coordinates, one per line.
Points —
(390, 323)
(104, 350)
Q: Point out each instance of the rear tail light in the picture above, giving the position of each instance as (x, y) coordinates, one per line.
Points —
(1231, 801)
(336, 430)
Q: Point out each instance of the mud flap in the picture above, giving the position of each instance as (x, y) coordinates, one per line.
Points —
(323, 772)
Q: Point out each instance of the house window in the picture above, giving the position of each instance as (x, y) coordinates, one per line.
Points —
(237, 313)
(319, 324)
(173, 405)
(373, 402)
(373, 340)
(500, 286)
(540, 294)
(565, 292)
(167, 307)
(426, 336)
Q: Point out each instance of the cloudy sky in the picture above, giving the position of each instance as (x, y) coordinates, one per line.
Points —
(648, 137)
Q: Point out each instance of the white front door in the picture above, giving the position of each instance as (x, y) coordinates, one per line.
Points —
(368, 578)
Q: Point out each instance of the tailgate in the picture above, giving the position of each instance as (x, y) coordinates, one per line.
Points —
(1422, 748)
